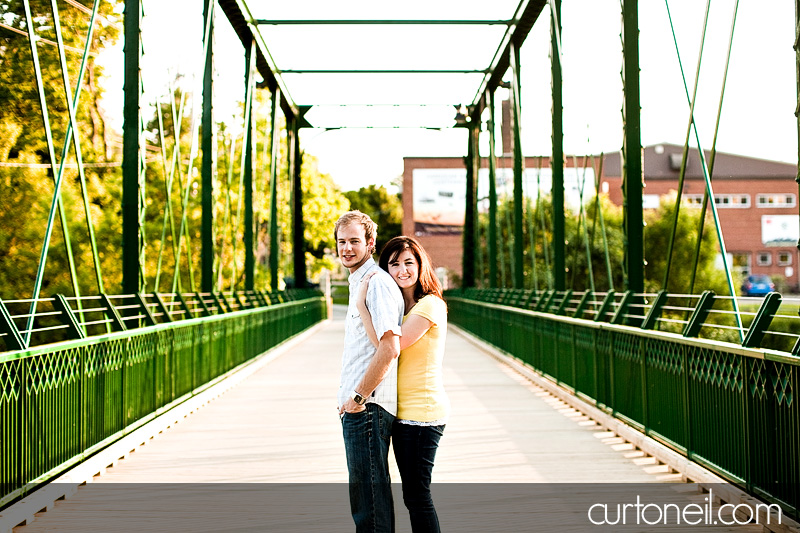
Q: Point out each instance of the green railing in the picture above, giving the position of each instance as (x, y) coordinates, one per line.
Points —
(62, 402)
(725, 406)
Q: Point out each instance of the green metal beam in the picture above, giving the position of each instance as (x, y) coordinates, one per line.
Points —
(470, 223)
(557, 161)
(525, 16)
(298, 228)
(132, 119)
(516, 94)
(492, 197)
(381, 22)
(249, 126)
(382, 71)
(273, 192)
(632, 150)
(209, 147)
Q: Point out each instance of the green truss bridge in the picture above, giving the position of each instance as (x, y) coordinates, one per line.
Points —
(145, 272)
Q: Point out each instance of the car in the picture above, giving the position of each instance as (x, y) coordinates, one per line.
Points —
(757, 285)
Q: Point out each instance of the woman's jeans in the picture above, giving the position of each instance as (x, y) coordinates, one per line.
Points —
(415, 449)
(366, 444)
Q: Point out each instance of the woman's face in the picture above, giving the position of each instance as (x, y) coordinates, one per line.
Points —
(405, 269)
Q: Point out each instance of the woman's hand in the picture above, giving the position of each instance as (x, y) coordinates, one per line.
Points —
(362, 294)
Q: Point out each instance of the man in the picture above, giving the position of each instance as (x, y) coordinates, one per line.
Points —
(367, 395)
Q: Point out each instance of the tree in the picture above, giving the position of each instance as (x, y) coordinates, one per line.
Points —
(384, 208)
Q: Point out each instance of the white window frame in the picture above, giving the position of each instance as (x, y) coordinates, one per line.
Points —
(784, 262)
(764, 259)
(778, 200)
(723, 201)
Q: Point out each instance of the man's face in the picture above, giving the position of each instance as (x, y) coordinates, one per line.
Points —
(352, 246)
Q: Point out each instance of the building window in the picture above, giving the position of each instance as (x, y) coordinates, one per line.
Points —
(784, 258)
(722, 200)
(775, 200)
(741, 263)
(764, 259)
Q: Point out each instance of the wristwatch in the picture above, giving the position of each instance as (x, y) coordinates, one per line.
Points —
(360, 400)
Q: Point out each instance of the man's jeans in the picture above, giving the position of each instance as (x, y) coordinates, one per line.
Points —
(366, 443)
(415, 449)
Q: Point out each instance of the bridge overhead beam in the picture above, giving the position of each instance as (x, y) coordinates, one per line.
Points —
(516, 33)
(239, 16)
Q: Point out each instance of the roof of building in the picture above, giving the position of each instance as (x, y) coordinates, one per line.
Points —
(664, 161)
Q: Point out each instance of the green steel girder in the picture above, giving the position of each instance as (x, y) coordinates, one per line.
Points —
(381, 22)
(298, 227)
(557, 159)
(209, 148)
(761, 322)
(699, 314)
(492, 233)
(273, 192)
(132, 119)
(249, 126)
(525, 16)
(112, 314)
(241, 19)
(516, 112)
(632, 150)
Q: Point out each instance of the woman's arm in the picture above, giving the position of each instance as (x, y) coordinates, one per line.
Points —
(414, 327)
(366, 317)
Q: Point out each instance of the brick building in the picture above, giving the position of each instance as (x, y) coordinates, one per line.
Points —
(756, 201)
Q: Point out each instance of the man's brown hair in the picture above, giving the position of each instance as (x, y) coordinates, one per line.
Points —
(357, 217)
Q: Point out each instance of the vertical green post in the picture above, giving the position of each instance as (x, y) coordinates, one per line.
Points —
(492, 197)
(797, 77)
(468, 261)
(557, 162)
(632, 150)
(273, 192)
(298, 228)
(131, 274)
(209, 147)
(247, 178)
(517, 260)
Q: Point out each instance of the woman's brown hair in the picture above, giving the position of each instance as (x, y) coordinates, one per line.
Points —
(427, 283)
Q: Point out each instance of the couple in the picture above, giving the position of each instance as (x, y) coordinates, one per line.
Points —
(396, 310)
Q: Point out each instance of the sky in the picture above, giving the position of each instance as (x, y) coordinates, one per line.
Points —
(757, 118)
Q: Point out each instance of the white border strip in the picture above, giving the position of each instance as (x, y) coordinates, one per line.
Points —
(23, 512)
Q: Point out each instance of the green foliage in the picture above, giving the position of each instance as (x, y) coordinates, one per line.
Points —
(26, 185)
(384, 208)
(659, 224)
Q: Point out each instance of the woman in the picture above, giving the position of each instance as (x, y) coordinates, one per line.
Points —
(422, 404)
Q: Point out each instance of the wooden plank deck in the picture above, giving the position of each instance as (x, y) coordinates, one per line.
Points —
(276, 437)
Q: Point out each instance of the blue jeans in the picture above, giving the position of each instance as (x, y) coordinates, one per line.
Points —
(366, 443)
(415, 449)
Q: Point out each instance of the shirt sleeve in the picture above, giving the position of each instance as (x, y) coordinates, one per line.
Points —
(430, 307)
(385, 306)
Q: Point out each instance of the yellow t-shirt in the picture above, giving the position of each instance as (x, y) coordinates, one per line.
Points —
(420, 387)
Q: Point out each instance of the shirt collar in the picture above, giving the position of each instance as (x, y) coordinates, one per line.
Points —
(362, 270)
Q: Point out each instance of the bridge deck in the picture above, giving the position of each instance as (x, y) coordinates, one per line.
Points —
(280, 426)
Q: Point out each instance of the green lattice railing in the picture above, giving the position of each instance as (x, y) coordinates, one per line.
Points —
(727, 407)
(62, 402)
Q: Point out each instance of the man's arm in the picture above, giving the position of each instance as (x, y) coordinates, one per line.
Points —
(388, 350)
